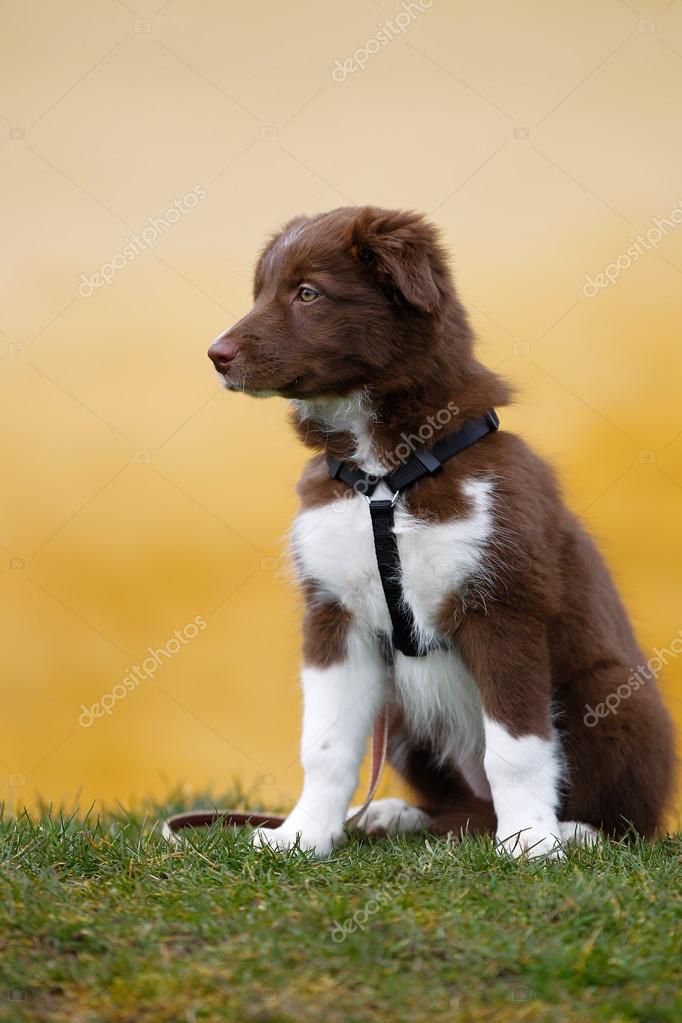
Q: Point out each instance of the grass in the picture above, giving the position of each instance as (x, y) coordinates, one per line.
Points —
(101, 921)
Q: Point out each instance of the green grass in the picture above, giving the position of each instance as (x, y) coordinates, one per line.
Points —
(101, 921)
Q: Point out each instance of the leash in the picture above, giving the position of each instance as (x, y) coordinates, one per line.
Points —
(257, 819)
(421, 462)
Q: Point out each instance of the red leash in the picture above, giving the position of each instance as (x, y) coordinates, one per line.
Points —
(258, 819)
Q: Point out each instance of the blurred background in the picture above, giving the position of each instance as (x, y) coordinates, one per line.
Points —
(146, 151)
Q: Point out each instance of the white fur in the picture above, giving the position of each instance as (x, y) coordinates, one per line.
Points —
(396, 817)
(390, 817)
(439, 697)
(525, 775)
(339, 707)
(580, 834)
(333, 546)
(352, 415)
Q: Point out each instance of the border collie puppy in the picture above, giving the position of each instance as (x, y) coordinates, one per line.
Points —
(518, 629)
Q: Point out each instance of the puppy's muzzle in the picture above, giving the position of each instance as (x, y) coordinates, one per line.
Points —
(222, 353)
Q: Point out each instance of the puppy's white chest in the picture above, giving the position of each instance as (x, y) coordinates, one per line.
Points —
(334, 546)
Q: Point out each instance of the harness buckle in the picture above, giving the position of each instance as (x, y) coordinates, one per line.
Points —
(377, 500)
(334, 465)
(492, 419)
(428, 460)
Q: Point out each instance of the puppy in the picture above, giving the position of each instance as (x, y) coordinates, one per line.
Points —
(518, 631)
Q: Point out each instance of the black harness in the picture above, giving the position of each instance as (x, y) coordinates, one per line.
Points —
(420, 462)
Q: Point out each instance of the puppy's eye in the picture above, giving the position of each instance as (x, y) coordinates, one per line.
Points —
(307, 294)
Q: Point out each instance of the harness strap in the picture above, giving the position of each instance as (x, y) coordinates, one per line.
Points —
(421, 462)
(388, 561)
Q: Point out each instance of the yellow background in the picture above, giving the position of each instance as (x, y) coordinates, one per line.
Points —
(541, 136)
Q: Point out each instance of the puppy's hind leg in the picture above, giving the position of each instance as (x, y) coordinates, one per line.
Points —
(390, 817)
(447, 803)
(577, 833)
(396, 817)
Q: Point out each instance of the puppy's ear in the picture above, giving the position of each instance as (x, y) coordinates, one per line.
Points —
(402, 249)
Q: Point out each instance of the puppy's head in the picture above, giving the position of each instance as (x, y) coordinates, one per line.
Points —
(342, 301)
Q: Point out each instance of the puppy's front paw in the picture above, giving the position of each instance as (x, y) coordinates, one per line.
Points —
(317, 840)
(542, 839)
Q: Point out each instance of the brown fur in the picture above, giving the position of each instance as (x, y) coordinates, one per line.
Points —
(549, 634)
(325, 628)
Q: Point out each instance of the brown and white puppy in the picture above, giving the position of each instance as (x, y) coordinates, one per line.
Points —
(357, 322)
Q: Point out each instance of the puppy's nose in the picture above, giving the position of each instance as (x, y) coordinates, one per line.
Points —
(222, 352)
